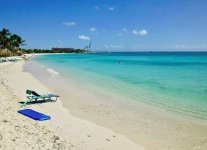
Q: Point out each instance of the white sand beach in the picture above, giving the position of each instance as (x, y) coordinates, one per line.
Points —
(63, 131)
(127, 75)
(110, 127)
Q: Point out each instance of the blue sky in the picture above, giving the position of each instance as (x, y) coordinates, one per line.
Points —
(111, 25)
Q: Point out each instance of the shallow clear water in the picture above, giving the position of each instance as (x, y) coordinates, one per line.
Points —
(173, 81)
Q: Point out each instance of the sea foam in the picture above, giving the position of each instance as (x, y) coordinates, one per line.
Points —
(52, 72)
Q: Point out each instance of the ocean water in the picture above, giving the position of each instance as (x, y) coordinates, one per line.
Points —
(174, 81)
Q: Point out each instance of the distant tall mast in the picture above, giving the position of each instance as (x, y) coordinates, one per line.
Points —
(89, 46)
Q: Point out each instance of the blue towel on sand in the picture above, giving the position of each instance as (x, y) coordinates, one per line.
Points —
(34, 114)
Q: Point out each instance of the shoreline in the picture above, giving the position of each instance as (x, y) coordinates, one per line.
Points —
(81, 134)
(152, 127)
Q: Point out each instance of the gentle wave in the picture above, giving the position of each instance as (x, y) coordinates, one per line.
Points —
(52, 72)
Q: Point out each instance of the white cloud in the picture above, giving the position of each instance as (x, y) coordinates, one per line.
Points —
(124, 29)
(69, 23)
(141, 32)
(93, 29)
(111, 8)
(135, 32)
(83, 37)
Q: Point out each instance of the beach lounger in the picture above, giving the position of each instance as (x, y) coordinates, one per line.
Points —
(2, 60)
(33, 96)
(34, 114)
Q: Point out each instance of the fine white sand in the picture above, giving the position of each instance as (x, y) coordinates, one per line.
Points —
(63, 131)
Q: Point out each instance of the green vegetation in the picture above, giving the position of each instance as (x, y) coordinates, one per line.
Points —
(29, 51)
(10, 43)
(10, 46)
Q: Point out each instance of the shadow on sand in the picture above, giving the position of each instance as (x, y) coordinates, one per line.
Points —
(37, 102)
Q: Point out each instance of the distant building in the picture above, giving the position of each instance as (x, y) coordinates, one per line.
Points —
(62, 49)
(67, 50)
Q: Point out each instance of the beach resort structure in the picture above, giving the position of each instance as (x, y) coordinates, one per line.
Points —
(62, 49)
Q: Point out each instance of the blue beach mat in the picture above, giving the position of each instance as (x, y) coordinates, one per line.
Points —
(34, 114)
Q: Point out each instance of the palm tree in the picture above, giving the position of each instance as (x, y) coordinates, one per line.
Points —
(10, 42)
(4, 36)
(15, 42)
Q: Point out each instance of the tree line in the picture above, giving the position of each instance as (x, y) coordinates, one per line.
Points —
(10, 46)
(29, 51)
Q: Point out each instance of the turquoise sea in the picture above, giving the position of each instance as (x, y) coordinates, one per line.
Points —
(174, 81)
